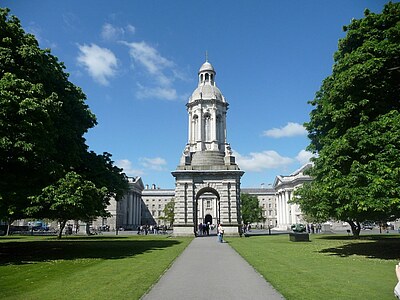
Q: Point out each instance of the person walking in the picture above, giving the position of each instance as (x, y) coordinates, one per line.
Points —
(220, 230)
(397, 287)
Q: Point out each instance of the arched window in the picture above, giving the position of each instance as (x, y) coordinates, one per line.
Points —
(219, 129)
(207, 127)
(207, 77)
(195, 122)
(201, 78)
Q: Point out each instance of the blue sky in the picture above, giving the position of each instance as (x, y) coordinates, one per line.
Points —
(137, 62)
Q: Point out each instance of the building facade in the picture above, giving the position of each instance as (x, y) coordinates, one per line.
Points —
(284, 186)
(267, 201)
(154, 201)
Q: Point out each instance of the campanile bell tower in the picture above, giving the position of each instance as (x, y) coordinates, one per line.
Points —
(207, 170)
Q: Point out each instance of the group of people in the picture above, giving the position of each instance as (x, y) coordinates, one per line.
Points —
(151, 229)
(204, 229)
(314, 228)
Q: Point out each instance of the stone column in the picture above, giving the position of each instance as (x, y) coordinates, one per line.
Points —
(190, 127)
(278, 209)
(131, 208)
(287, 217)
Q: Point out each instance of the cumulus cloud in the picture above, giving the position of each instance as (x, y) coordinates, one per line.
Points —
(304, 157)
(126, 165)
(149, 57)
(259, 161)
(101, 63)
(161, 70)
(110, 32)
(156, 163)
(291, 129)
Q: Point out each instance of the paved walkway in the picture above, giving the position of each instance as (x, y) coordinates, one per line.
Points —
(211, 270)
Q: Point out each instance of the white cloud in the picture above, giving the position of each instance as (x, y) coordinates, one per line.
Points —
(149, 57)
(259, 161)
(156, 92)
(101, 63)
(156, 163)
(304, 157)
(162, 71)
(126, 165)
(291, 129)
(130, 28)
(110, 32)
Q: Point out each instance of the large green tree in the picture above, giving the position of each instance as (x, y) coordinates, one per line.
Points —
(354, 127)
(70, 198)
(43, 118)
(251, 210)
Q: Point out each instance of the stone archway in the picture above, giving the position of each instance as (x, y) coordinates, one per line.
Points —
(224, 185)
(207, 204)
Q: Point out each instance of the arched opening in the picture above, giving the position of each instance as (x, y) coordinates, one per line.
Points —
(208, 219)
(207, 210)
(207, 77)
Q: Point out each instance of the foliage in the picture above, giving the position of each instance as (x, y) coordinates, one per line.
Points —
(100, 169)
(43, 117)
(169, 213)
(251, 211)
(355, 126)
(70, 198)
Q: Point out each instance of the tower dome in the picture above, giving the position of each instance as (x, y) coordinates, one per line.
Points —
(206, 67)
(206, 88)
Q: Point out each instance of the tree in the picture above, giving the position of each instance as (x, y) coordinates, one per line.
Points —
(43, 117)
(70, 198)
(100, 169)
(251, 211)
(355, 127)
(169, 213)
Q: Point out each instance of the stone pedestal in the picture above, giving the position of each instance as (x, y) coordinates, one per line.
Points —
(299, 237)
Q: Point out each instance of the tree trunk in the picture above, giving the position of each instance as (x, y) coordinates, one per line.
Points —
(355, 228)
(62, 225)
(9, 222)
(88, 228)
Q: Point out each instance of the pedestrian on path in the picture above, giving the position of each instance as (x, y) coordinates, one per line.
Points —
(220, 233)
(397, 287)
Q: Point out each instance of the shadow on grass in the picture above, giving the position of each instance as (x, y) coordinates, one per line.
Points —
(78, 248)
(375, 246)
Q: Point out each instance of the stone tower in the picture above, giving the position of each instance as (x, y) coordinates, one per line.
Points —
(207, 177)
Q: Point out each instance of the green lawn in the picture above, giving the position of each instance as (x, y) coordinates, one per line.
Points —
(328, 267)
(105, 267)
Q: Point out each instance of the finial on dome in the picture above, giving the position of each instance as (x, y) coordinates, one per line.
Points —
(206, 56)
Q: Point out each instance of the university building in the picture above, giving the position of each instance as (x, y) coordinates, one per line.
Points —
(207, 178)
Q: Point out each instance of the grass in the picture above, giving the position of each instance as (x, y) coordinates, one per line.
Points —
(105, 267)
(328, 267)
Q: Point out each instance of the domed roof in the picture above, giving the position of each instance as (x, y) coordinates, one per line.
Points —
(206, 67)
(207, 91)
